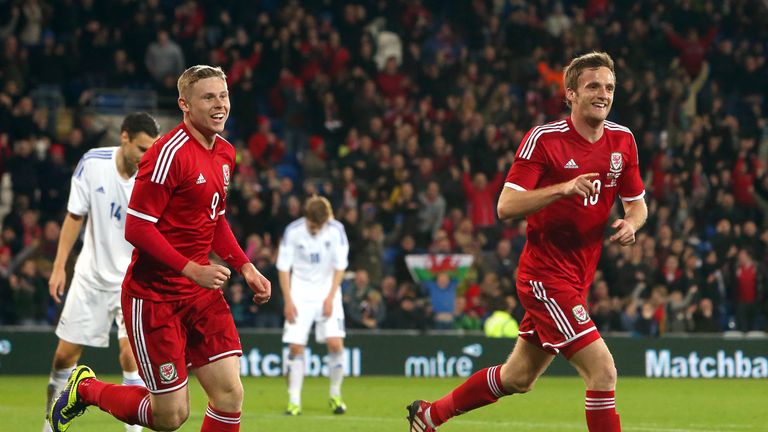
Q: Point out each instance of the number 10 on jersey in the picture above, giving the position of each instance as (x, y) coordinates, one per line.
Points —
(592, 200)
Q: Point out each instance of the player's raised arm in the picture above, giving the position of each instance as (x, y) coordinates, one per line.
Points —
(516, 202)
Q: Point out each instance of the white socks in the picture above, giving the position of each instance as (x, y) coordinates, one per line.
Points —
(132, 378)
(295, 379)
(57, 380)
(336, 372)
(296, 368)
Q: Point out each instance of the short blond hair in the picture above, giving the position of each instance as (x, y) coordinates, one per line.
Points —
(591, 60)
(318, 210)
(195, 74)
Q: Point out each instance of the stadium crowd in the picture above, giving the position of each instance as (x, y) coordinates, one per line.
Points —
(406, 115)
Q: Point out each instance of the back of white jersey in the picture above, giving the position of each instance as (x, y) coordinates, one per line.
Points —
(99, 191)
(312, 260)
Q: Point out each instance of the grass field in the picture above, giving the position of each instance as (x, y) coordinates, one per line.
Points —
(377, 405)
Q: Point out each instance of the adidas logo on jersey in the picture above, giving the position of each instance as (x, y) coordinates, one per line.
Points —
(571, 165)
(200, 179)
(100, 189)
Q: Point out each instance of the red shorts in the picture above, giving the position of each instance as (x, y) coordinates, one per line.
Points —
(168, 337)
(556, 317)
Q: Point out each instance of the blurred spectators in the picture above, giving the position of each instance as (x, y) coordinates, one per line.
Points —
(406, 116)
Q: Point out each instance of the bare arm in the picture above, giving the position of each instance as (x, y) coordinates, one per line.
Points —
(515, 203)
(70, 229)
(635, 214)
(285, 286)
(338, 275)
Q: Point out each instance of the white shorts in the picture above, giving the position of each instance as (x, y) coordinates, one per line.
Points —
(88, 315)
(312, 312)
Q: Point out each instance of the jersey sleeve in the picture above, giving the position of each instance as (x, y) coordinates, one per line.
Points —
(631, 186)
(225, 245)
(79, 199)
(529, 164)
(158, 176)
(285, 253)
(341, 258)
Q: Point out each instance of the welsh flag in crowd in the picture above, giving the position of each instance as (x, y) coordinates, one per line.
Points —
(426, 267)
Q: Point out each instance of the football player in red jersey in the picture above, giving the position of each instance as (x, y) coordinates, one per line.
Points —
(175, 313)
(564, 181)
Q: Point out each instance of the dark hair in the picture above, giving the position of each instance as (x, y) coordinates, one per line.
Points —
(135, 123)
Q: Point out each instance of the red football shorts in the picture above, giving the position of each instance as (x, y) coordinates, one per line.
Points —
(168, 337)
(556, 317)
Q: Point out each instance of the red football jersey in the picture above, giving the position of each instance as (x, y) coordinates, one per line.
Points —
(565, 237)
(181, 187)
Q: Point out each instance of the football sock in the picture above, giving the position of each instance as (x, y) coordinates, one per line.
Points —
(132, 378)
(220, 421)
(482, 388)
(600, 407)
(336, 372)
(57, 380)
(129, 404)
(295, 379)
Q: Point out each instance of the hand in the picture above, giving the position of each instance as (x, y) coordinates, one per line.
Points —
(56, 284)
(290, 311)
(261, 286)
(581, 186)
(625, 232)
(211, 276)
(465, 165)
(327, 307)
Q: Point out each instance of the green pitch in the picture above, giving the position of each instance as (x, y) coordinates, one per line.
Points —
(378, 405)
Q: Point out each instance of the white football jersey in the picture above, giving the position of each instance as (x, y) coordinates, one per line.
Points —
(312, 260)
(100, 192)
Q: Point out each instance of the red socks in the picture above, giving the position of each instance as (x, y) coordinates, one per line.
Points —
(220, 421)
(129, 404)
(482, 388)
(600, 407)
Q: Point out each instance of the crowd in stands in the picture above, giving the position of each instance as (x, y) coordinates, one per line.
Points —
(407, 114)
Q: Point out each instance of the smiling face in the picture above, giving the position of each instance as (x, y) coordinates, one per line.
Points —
(205, 104)
(593, 96)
